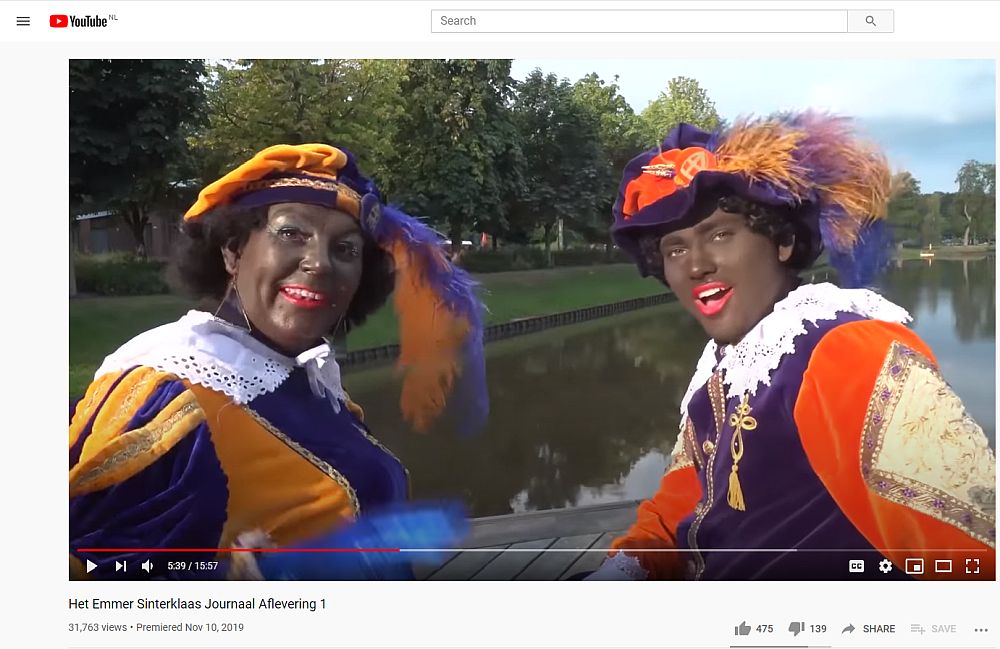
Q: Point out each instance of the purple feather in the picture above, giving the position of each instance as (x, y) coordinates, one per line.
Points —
(861, 265)
(822, 155)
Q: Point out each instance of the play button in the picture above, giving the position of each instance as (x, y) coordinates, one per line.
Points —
(58, 20)
(90, 566)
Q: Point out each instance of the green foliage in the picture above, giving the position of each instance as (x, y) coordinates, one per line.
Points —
(119, 274)
(976, 201)
(511, 258)
(563, 157)
(684, 100)
(457, 157)
(128, 120)
(253, 104)
(588, 257)
(503, 259)
(457, 142)
(620, 135)
(905, 211)
(966, 217)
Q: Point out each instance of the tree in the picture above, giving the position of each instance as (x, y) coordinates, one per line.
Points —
(684, 100)
(564, 162)
(904, 210)
(931, 228)
(620, 135)
(254, 104)
(128, 121)
(456, 157)
(977, 199)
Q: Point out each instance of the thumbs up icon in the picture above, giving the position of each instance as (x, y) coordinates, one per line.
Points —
(742, 629)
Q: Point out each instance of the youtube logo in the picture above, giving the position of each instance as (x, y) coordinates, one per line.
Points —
(58, 20)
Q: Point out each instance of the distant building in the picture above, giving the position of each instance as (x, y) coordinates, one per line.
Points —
(102, 232)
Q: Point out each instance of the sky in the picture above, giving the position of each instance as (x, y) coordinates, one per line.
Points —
(930, 116)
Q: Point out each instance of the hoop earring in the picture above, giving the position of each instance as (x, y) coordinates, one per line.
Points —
(337, 335)
(231, 288)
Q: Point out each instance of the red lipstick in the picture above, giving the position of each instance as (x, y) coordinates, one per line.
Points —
(710, 298)
(304, 296)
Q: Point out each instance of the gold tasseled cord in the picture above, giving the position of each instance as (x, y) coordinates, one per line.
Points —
(741, 421)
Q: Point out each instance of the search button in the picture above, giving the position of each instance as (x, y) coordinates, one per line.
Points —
(871, 22)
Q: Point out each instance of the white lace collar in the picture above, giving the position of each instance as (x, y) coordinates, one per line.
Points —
(749, 363)
(211, 352)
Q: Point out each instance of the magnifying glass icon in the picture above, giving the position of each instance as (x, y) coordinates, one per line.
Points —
(870, 20)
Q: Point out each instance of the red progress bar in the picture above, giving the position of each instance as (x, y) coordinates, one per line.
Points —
(120, 550)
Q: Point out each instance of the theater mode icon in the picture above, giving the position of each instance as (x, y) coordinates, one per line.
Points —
(58, 20)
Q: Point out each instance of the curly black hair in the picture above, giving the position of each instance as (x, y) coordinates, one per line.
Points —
(781, 224)
(199, 269)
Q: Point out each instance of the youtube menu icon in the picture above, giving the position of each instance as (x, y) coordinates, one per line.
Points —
(58, 20)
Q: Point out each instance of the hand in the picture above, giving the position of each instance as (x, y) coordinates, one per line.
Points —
(380, 545)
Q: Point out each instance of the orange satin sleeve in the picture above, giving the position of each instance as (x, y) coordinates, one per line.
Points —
(877, 425)
(656, 523)
(275, 485)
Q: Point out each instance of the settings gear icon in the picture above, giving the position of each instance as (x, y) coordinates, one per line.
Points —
(885, 566)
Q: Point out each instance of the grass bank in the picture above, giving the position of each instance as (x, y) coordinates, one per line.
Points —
(948, 252)
(98, 325)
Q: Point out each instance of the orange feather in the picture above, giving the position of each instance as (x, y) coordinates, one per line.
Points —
(431, 339)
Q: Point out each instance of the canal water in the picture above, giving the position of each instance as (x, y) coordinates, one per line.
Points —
(588, 413)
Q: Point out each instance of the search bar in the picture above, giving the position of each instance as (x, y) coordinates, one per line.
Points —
(659, 21)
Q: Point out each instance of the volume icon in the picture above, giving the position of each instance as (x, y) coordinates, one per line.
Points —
(147, 565)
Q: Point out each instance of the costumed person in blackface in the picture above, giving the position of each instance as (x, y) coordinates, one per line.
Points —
(817, 427)
(232, 429)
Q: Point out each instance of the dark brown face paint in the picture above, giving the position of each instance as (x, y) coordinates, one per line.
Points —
(296, 276)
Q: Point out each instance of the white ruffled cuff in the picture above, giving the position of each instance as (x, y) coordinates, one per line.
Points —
(620, 567)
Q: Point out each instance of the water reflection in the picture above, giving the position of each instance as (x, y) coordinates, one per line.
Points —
(589, 413)
(580, 414)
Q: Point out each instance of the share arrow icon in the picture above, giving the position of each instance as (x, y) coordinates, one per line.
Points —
(848, 629)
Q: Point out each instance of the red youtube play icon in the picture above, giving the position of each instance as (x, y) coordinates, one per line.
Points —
(58, 20)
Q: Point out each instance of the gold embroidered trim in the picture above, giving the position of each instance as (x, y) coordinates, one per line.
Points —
(330, 185)
(142, 381)
(680, 458)
(314, 459)
(975, 516)
(691, 443)
(717, 397)
(371, 438)
(97, 390)
(135, 443)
